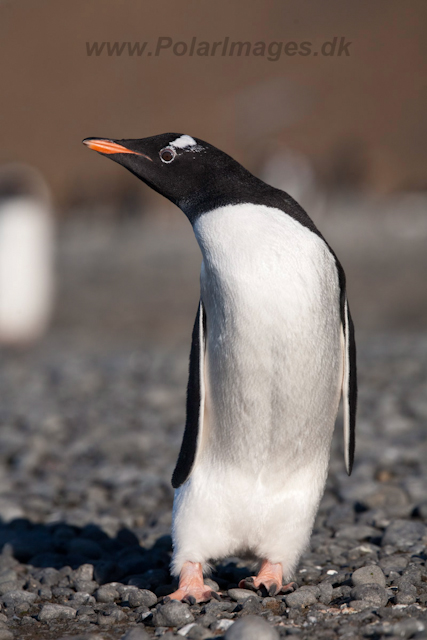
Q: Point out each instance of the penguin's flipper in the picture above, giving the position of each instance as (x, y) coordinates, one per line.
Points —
(195, 402)
(349, 387)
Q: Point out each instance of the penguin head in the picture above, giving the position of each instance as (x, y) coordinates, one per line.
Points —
(185, 170)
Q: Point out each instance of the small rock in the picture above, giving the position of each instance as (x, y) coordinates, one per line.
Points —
(251, 628)
(111, 617)
(9, 575)
(184, 630)
(302, 597)
(361, 605)
(240, 595)
(358, 532)
(138, 597)
(396, 562)
(212, 584)
(371, 593)
(407, 593)
(408, 628)
(325, 589)
(48, 576)
(371, 574)
(82, 598)
(56, 611)
(196, 632)
(62, 592)
(172, 614)
(5, 634)
(84, 572)
(107, 594)
(6, 587)
(13, 598)
(222, 625)
(136, 634)
(87, 586)
(403, 533)
(45, 593)
(251, 606)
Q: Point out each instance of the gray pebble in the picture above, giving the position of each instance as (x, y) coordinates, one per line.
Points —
(84, 572)
(87, 586)
(138, 597)
(372, 593)
(395, 562)
(136, 634)
(172, 614)
(9, 575)
(240, 595)
(56, 611)
(325, 592)
(372, 574)
(5, 634)
(106, 593)
(6, 587)
(215, 606)
(48, 577)
(111, 617)
(302, 597)
(408, 628)
(251, 628)
(62, 592)
(13, 598)
(212, 584)
(197, 632)
(45, 593)
(403, 533)
(252, 605)
(221, 625)
(358, 532)
(407, 592)
(82, 598)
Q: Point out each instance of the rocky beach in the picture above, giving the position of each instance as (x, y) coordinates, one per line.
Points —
(91, 420)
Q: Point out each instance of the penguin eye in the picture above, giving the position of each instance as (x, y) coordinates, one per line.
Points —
(167, 154)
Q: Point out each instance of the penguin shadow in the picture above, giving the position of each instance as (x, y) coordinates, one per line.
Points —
(59, 554)
(64, 551)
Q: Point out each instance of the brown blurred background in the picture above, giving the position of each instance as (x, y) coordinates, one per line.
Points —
(347, 135)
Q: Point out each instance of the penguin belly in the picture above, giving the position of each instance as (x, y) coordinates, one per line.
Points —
(273, 374)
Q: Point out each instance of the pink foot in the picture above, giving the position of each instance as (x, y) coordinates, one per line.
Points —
(191, 586)
(270, 577)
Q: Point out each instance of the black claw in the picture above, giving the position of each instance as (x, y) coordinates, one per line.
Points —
(215, 595)
(166, 599)
(249, 584)
(291, 588)
(272, 590)
(190, 600)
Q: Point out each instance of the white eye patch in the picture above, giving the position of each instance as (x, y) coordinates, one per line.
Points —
(183, 141)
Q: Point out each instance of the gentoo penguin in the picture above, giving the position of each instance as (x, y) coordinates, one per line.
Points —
(272, 351)
(26, 255)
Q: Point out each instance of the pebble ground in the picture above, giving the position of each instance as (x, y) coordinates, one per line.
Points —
(91, 421)
(88, 441)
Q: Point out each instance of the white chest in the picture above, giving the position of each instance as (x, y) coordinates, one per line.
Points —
(273, 357)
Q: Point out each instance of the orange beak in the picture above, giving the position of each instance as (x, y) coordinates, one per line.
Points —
(106, 146)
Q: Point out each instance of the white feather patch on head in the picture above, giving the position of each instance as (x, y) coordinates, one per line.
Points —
(183, 141)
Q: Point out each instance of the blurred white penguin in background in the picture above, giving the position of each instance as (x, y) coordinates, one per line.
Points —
(26, 255)
(292, 172)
